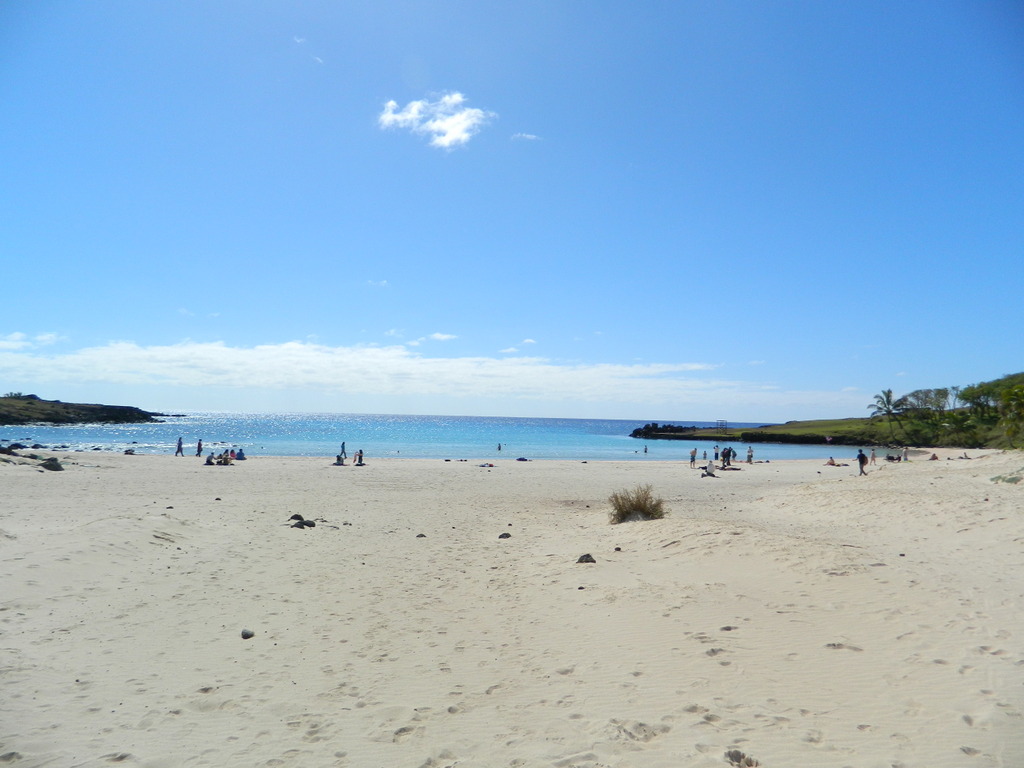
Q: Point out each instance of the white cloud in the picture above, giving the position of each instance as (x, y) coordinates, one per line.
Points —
(528, 341)
(525, 137)
(299, 365)
(18, 340)
(508, 351)
(447, 121)
(14, 341)
(378, 283)
(443, 336)
(305, 369)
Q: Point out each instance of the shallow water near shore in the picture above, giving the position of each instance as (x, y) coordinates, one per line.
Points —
(398, 436)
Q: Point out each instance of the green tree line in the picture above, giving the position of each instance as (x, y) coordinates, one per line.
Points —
(988, 413)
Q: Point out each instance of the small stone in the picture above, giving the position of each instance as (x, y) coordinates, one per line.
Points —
(247, 634)
(505, 536)
(421, 535)
(296, 517)
(588, 558)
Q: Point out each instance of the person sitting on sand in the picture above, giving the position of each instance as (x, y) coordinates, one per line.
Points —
(241, 455)
(934, 457)
(709, 471)
(209, 460)
(831, 462)
(339, 460)
(359, 458)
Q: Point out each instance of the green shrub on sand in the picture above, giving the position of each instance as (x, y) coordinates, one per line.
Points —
(637, 504)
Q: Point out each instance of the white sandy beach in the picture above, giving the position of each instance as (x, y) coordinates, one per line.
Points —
(795, 612)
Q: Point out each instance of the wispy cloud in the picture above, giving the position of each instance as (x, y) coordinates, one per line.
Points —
(399, 371)
(18, 340)
(378, 283)
(448, 121)
(525, 137)
(14, 341)
(302, 364)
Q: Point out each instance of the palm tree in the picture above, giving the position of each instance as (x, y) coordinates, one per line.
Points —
(886, 405)
(1012, 412)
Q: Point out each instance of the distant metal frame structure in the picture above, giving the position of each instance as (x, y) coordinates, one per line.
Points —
(721, 424)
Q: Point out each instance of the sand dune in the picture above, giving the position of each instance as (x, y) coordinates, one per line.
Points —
(794, 612)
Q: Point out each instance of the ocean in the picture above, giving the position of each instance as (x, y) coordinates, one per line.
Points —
(396, 436)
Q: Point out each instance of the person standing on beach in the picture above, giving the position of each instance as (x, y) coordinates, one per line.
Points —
(199, 447)
(693, 458)
(872, 456)
(180, 451)
(862, 461)
(750, 454)
(716, 453)
(343, 455)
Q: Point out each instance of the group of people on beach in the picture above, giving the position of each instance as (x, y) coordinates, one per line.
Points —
(226, 457)
(726, 455)
(357, 458)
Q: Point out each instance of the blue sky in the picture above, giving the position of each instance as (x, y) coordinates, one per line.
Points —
(655, 210)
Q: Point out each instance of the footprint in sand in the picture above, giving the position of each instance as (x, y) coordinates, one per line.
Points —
(633, 730)
(842, 646)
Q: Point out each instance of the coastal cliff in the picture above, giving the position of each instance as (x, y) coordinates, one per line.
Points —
(31, 409)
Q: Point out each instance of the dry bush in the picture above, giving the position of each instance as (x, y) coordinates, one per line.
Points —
(740, 760)
(638, 504)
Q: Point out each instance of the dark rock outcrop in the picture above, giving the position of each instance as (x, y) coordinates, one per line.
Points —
(30, 409)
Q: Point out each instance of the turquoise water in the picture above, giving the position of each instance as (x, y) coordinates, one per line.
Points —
(419, 437)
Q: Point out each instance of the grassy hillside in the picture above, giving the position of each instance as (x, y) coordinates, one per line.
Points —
(837, 431)
(30, 409)
(989, 414)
